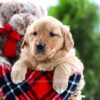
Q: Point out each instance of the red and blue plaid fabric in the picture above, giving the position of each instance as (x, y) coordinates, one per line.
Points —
(37, 86)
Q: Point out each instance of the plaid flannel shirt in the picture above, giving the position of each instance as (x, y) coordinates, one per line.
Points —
(37, 86)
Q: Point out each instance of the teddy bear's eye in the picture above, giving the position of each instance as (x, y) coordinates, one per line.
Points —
(34, 13)
(52, 34)
(34, 33)
(23, 11)
(14, 12)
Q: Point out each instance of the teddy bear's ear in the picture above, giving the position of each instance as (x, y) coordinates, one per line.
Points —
(43, 10)
(21, 4)
(68, 40)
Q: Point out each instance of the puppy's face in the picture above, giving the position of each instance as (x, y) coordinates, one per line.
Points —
(45, 38)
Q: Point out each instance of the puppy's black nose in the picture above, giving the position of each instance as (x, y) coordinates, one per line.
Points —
(40, 46)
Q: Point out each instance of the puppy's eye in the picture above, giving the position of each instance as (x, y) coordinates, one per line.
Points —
(34, 33)
(52, 34)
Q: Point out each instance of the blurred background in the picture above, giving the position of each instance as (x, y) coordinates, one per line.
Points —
(83, 17)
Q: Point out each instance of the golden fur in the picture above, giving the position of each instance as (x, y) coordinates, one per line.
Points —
(59, 54)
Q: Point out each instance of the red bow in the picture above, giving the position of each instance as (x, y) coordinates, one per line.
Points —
(9, 49)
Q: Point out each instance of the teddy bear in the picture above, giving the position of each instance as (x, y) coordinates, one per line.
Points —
(15, 17)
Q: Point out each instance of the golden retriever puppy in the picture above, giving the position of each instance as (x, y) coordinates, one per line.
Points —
(48, 45)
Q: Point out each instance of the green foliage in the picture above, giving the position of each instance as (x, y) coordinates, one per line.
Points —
(82, 17)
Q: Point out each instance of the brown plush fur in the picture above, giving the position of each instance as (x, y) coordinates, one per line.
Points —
(59, 54)
(19, 16)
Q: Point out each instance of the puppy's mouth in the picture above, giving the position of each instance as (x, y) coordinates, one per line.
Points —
(44, 55)
(40, 52)
(40, 55)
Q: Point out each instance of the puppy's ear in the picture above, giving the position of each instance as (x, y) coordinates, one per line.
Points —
(68, 40)
(24, 43)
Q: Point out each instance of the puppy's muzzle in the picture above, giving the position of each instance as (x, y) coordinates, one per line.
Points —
(40, 47)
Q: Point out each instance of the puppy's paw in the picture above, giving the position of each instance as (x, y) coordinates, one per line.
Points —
(17, 75)
(76, 96)
(60, 86)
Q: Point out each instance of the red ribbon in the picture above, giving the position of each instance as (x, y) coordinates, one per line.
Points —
(10, 46)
